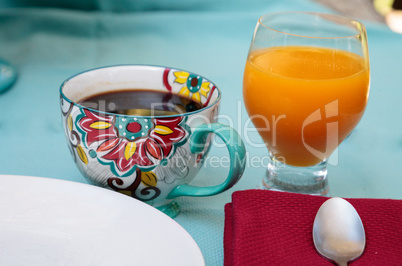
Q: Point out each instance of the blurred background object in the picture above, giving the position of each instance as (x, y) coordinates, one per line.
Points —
(8, 75)
(359, 9)
(383, 11)
(393, 14)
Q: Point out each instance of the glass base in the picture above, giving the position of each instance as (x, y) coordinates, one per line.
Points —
(306, 180)
(172, 209)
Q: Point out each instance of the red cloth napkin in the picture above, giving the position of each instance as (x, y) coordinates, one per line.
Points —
(275, 228)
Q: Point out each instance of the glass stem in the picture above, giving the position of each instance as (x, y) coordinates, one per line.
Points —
(307, 180)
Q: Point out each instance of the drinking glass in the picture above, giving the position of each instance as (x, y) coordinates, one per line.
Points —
(305, 88)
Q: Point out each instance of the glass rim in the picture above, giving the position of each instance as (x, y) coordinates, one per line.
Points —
(361, 30)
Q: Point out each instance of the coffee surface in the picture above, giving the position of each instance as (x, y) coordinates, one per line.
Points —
(141, 102)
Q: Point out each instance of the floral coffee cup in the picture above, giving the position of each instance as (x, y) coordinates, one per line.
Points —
(150, 158)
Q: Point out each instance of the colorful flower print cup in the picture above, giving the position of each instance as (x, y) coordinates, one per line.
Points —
(150, 158)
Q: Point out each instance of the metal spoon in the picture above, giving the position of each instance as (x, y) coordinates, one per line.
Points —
(338, 231)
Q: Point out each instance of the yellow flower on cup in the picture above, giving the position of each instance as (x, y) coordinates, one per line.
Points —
(194, 87)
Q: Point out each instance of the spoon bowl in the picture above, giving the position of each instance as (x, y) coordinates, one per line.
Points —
(338, 231)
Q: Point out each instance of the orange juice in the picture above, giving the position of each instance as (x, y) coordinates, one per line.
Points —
(304, 101)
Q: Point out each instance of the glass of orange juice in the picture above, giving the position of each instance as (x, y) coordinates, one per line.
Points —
(305, 88)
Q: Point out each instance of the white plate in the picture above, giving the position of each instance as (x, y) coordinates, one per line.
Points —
(46, 221)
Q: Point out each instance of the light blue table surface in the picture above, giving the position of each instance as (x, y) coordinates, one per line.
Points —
(211, 38)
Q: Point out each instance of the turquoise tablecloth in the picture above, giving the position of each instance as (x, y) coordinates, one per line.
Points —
(48, 44)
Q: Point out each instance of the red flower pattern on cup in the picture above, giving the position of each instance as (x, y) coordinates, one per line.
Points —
(155, 144)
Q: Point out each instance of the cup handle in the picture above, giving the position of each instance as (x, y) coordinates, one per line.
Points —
(237, 153)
